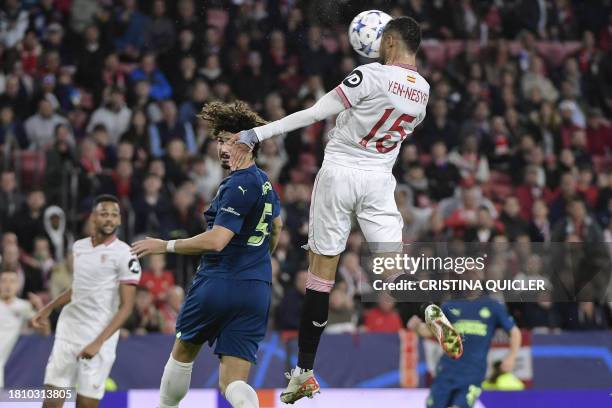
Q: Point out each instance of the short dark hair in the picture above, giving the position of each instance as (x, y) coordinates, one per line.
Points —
(408, 29)
(231, 117)
(105, 198)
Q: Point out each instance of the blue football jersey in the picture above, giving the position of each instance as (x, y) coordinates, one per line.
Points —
(477, 321)
(246, 204)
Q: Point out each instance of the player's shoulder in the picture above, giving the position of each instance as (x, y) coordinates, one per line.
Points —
(246, 178)
(120, 247)
(372, 67)
(370, 72)
(81, 243)
(363, 73)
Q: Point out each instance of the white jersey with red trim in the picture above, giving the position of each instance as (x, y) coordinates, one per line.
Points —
(98, 272)
(384, 104)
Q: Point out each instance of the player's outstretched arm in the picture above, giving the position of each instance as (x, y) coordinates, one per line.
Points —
(277, 227)
(213, 240)
(330, 104)
(40, 321)
(127, 296)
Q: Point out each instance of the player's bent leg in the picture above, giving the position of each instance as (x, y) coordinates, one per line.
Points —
(233, 376)
(177, 373)
(321, 278)
(320, 281)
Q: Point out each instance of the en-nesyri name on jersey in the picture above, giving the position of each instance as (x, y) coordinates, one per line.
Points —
(384, 104)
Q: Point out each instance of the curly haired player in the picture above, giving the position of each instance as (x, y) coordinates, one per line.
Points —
(229, 299)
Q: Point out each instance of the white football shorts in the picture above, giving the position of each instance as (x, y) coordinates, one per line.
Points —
(341, 193)
(89, 376)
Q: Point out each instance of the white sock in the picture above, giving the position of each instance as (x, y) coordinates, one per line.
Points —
(241, 395)
(174, 383)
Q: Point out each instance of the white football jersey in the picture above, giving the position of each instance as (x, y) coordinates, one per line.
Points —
(98, 272)
(384, 104)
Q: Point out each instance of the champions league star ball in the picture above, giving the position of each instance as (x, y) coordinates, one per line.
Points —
(365, 32)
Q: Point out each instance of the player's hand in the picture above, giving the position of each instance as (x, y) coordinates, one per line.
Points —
(239, 155)
(507, 364)
(414, 323)
(148, 246)
(90, 350)
(40, 321)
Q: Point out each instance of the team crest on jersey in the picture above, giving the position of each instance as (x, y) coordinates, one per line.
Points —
(353, 79)
(103, 258)
(134, 265)
(485, 313)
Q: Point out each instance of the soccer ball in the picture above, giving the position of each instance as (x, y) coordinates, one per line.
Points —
(365, 32)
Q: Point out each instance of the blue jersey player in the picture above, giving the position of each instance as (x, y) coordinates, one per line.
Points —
(229, 299)
(457, 381)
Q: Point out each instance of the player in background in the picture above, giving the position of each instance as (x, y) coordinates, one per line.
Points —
(96, 307)
(229, 299)
(15, 313)
(457, 383)
(378, 106)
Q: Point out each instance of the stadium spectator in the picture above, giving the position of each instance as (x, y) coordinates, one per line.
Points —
(28, 222)
(150, 206)
(383, 318)
(11, 128)
(40, 127)
(60, 160)
(170, 128)
(484, 230)
(157, 279)
(114, 115)
(29, 280)
(342, 317)
(170, 309)
(11, 199)
(289, 309)
(160, 88)
(511, 219)
(442, 175)
(159, 32)
(145, 318)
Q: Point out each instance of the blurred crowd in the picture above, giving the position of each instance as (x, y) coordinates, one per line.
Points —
(100, 96)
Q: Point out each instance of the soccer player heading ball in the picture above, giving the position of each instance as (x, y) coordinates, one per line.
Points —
(378, 106)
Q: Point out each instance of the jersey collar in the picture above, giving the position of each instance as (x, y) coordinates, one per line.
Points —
(105, 243)
(406, 66)
(250, 168)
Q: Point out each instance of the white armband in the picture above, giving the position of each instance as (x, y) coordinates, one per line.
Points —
(170, 245)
